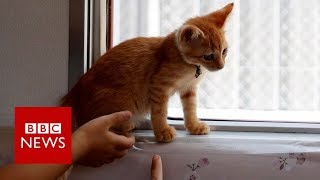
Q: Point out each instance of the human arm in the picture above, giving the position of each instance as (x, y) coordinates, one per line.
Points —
(93, 140)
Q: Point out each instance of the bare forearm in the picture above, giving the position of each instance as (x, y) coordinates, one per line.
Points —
(32, 171)
(42, 171)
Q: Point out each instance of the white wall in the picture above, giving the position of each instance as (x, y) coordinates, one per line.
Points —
(33, 54)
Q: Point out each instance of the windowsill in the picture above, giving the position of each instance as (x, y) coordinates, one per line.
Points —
(249, 126)
(245, 126)
(253, 115)
(231, 142)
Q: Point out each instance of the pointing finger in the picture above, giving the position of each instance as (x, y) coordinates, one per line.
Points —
(156, 168)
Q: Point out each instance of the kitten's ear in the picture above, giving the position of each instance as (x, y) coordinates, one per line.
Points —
(220, 16)
(190, 34)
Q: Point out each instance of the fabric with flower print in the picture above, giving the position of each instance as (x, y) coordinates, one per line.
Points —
(193, 175)
(289, 161)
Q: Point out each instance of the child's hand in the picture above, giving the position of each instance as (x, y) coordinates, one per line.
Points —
(94, 144)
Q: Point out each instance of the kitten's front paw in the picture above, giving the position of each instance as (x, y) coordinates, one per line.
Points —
(198, 128)
(166, 134)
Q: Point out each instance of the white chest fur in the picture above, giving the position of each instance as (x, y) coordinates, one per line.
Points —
(190, 81)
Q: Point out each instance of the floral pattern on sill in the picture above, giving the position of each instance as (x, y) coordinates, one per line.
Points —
(193, 175)
(289, 161)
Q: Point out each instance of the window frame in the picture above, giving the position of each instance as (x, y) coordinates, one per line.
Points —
(87, 37)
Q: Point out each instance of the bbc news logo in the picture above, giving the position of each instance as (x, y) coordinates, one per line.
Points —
(42, 142)
(42, 128)
(43, 135)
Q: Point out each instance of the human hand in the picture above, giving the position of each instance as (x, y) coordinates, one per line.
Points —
(94, 144)
(156, 168)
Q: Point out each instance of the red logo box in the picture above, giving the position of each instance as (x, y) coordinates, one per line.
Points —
(43, 135)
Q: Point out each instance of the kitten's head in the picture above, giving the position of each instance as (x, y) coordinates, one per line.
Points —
(201, 40)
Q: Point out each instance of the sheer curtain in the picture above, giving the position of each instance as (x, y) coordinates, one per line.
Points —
(274, 46)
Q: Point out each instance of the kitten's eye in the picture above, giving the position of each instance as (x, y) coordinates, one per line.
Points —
(225, 51)
(208, 57)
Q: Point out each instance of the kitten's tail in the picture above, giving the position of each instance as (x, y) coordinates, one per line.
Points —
(69, 99)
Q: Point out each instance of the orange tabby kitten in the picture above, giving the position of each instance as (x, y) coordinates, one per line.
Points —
(141, 74)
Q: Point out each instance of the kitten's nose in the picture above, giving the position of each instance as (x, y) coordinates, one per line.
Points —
(220, 67)
(220, 64)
